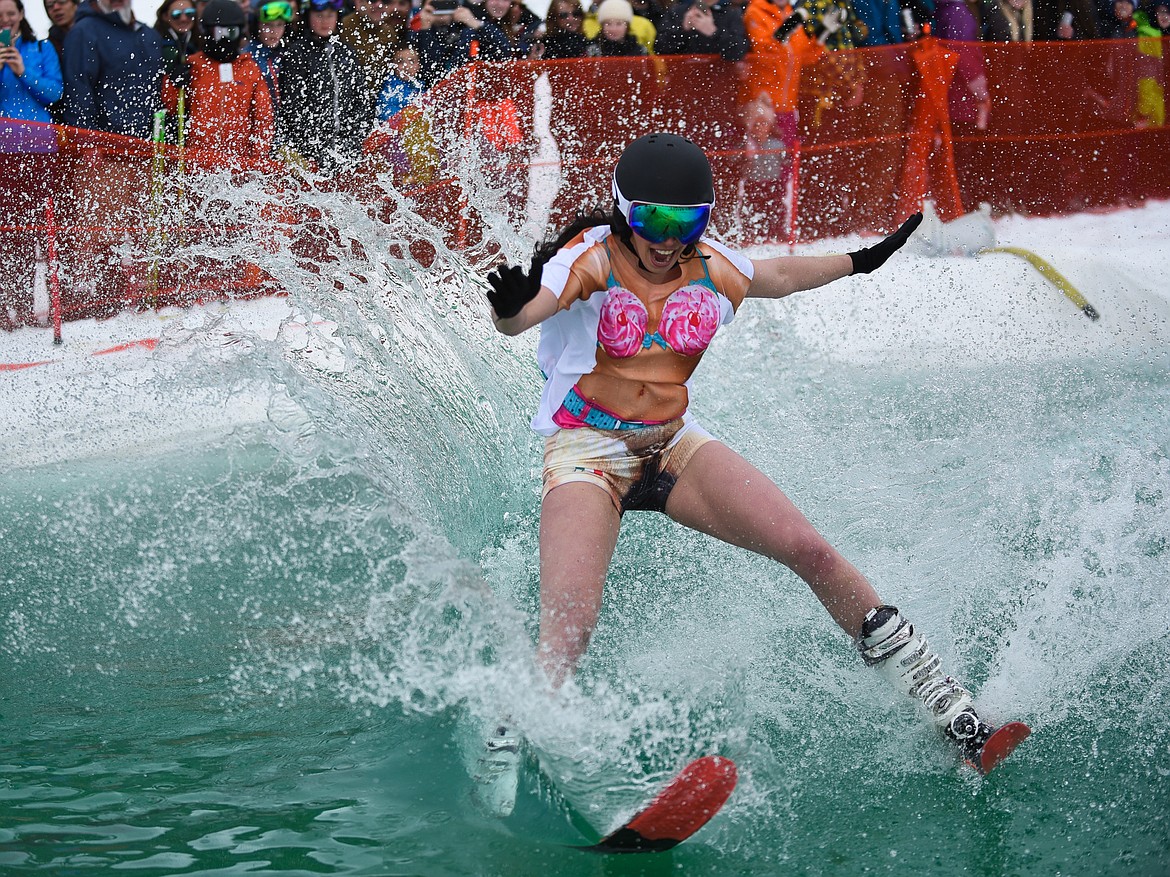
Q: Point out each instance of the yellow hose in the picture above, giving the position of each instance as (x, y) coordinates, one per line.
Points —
(1052, 275)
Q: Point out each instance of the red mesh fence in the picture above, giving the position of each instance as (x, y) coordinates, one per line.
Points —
(1072, 126)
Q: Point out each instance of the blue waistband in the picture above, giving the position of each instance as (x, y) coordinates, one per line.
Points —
(595, 417)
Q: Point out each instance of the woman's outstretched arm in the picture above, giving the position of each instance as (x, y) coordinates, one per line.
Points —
(784, 275)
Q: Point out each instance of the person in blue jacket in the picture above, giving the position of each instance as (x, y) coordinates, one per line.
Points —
(30, 80)
(113, 70)
(30, 74)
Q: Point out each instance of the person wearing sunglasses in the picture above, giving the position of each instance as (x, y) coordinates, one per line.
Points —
(61, 14)
(322, 104)
(628, 302)
(175, 23)
(562, 31)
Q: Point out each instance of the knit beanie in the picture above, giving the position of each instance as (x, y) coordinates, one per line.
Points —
(615, 10)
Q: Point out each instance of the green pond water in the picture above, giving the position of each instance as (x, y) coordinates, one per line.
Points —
(265, 653)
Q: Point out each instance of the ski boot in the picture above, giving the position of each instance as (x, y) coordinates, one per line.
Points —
(889, 642)
(497, 772)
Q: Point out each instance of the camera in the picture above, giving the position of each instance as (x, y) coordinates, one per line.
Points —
(444, 7)
(5, 37)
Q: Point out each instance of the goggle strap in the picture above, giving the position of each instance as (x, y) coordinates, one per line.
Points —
(624, 202)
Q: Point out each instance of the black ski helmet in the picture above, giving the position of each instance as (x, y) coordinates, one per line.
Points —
(664, 168)
(222, 25)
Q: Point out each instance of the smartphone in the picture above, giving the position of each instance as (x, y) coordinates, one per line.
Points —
(5, 37)
(444, 7)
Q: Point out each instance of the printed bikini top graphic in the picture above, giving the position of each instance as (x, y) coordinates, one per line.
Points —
(689, 320)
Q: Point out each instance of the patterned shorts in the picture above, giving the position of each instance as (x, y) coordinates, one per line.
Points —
(637, 468)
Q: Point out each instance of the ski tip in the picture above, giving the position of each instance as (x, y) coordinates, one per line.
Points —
(1000, 745)
(687, 804)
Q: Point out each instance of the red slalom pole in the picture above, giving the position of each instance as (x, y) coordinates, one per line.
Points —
(54, 277)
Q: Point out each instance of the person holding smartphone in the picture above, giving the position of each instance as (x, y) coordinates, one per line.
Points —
(30, 80)
(30, 73)
(450, 35)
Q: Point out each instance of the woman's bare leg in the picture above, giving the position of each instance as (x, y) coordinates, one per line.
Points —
(722, 494)
(578, 532)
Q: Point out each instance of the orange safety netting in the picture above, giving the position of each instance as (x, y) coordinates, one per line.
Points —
(1072, 126)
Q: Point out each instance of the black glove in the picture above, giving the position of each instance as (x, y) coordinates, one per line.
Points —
(512, 288)
(869, 259)
(798, 17)
(180, 75)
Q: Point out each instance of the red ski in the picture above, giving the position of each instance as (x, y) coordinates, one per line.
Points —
(682, 808)
(998, 746)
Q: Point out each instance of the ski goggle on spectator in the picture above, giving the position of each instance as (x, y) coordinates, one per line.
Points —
(281, 11)
(658, 223)
(326, 5)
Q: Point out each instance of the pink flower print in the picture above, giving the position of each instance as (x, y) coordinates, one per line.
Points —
(690, 320)
(623, 323)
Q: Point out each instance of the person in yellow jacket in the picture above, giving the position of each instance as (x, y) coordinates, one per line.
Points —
(227, 104)
(642, 29)
(1151, 99)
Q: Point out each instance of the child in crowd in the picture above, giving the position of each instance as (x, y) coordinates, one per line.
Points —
(767, 176)
(403, 87)
(614, 39)
(640, 28)
(403, 140)
(1122, 26)
(272, 19)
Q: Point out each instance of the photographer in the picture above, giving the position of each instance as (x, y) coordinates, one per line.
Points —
(450, 35)
(699, 27)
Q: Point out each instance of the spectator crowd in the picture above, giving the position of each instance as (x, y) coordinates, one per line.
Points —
(262, 77)
(308, 80)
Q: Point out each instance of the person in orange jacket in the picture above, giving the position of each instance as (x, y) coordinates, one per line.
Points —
(227, 104)
(784, 39)
(780, 48)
